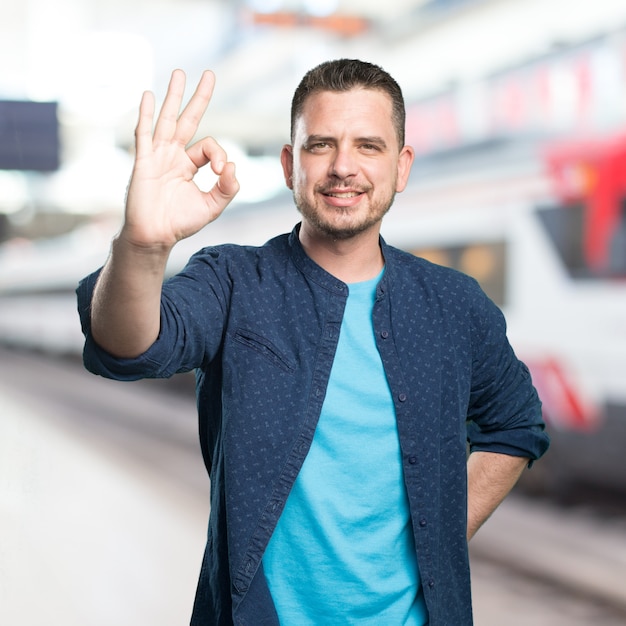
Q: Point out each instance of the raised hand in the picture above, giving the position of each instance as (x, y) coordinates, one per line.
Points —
(163, 204)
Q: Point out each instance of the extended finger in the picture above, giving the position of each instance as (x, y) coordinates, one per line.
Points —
(143, 130)
(189, 119)
(165, 128)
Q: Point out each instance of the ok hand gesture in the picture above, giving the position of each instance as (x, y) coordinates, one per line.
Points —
(163, 204)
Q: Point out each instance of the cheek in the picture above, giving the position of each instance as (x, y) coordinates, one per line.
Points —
(302, 176)
(383, 178)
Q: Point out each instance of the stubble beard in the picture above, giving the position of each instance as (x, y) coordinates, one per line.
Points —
(325, 226)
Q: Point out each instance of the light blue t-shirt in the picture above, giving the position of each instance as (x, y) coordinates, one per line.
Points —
(343, 551)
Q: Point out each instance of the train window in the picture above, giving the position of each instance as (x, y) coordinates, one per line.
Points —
(589, 246)
(486, 262)
(617, 249)
(564, 226)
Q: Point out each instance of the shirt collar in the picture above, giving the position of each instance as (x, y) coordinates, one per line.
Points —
(320, 275)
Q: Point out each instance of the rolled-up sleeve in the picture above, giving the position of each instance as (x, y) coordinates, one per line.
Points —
(192, 321)
(150, 364)
(504, 413)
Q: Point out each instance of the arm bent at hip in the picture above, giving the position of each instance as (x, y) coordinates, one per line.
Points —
(490, 477)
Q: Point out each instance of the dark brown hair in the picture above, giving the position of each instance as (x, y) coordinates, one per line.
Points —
(344, 75)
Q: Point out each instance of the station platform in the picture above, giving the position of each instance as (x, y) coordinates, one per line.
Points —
(100, 529)
(86, 539)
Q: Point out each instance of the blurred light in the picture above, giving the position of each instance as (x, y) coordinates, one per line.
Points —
(321, 8)
(103, 81)
(15, 195)
(94, 182)
(265, 6)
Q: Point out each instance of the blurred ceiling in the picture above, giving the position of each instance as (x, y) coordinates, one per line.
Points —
(96, 56)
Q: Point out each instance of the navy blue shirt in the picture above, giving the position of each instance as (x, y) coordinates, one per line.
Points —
(260, 325)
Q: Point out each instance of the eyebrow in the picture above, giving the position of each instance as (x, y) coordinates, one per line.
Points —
(375, 140)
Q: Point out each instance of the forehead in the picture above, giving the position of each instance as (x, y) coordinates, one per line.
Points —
(358, 111)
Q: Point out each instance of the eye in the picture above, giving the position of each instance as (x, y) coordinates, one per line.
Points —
(318, 146)
(370, 147)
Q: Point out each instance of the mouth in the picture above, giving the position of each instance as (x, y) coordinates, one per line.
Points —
(343, 199)
(343, 194)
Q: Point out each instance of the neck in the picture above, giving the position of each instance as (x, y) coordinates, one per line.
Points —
(352, 260)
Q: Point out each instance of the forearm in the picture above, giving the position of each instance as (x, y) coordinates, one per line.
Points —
(490, 477)
(125, 311)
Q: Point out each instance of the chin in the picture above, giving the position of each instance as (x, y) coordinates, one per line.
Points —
(341, 231)
(336, 223)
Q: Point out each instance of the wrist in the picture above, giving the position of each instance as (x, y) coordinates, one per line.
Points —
(125, 245)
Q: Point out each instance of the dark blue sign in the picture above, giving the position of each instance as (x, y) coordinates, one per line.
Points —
(29, 136)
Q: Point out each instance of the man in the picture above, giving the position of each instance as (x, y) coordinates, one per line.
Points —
(338, 379)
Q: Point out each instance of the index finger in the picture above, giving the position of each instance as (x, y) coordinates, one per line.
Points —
(143, 130)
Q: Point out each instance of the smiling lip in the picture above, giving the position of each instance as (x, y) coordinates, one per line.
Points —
(342, 198)
(343, 194)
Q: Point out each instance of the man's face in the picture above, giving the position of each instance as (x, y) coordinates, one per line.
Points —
(345, 165)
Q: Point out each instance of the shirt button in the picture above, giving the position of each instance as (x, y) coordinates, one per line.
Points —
(422, 522)
(384, 334)
(412, 460)
(431, 583)
(402, 397)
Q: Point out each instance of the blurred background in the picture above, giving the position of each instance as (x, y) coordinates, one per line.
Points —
(517, 112)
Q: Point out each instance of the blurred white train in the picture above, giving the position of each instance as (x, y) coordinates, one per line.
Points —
(543, 229)
(541, 225)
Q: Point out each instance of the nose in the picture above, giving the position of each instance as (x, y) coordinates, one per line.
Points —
(343, 164)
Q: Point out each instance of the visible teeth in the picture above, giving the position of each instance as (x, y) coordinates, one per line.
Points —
(347, 194)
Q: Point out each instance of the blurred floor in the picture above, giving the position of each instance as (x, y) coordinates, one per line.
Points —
(505, 598)
(86, 538)
(103, 524)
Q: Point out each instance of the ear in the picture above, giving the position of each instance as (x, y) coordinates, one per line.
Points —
(286, 160)
(405, 161)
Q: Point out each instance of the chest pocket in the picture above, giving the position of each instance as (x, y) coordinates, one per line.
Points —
(266, 348)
